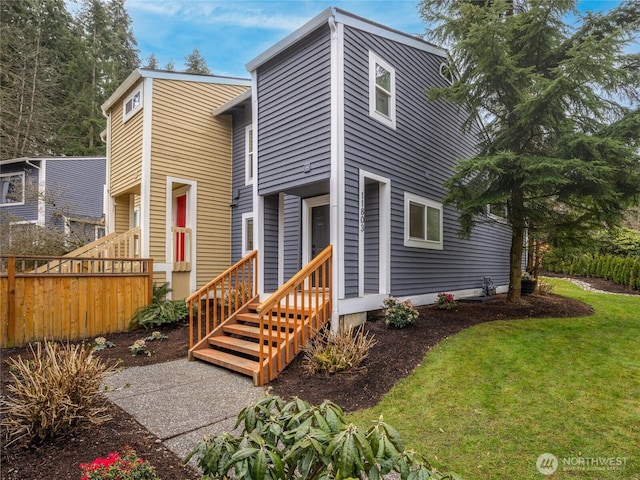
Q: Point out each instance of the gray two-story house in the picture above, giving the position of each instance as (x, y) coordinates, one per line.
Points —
(63, 193)
(338, 144)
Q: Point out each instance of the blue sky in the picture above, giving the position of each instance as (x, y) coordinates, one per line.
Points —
(231, 33)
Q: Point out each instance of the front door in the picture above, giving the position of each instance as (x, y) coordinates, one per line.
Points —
(315, 226)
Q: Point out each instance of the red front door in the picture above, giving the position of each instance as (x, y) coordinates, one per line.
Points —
(181, 221)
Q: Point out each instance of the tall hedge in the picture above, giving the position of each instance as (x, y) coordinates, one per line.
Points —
(621, 270)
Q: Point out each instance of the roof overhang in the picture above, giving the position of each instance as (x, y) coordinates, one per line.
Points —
(139, 73)
(38, 159)
(233, 103)
(346, 18)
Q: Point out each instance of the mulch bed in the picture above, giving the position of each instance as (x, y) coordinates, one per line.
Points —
(395, 356)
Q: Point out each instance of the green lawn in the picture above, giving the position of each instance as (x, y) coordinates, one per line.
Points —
(488, 401)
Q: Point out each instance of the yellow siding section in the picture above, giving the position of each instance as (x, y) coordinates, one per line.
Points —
(126, 148)
(122, 213)
(189, 143)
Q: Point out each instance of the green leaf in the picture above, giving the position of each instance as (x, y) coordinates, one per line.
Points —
(259, 467)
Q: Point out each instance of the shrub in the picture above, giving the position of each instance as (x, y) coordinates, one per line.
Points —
(292, 440)
(160, 311)
(337, 351)
(238, 295)
(119, 466)
(399, 314)
(544, 288)
(57, 389)
(446, 301)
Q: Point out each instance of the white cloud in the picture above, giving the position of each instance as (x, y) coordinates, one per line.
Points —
(230, 14)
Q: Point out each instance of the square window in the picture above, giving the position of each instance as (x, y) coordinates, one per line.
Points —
(132, 104)
(382, 91)
(422, 222)
(12, 188)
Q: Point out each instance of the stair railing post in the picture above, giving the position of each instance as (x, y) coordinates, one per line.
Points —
(11, 299)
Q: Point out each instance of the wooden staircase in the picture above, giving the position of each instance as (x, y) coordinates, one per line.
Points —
(260, 339)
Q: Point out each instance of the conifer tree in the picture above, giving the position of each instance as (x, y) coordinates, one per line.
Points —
(152, 62)
(559, 107)
(195, 63)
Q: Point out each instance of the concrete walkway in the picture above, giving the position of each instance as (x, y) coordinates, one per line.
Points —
(180, 401)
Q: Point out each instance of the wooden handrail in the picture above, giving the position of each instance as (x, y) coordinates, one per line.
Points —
(222, 296)
(303, 302)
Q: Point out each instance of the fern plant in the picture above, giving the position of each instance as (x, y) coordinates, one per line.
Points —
(160, 311)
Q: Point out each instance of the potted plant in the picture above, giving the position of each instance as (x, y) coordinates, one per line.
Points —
(527, 284)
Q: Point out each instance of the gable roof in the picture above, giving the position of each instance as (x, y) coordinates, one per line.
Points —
(139, 73)
(337, 15)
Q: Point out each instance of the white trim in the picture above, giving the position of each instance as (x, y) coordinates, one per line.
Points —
(109, 203)
(336, 182)
(145, 179)
(374, 302)
(234, 102)
(135, 107)
(24, 179)
(307, 205)
(139, 73)
(390, 119)
(384, 234)
(42, 192)
(419, 242)
(245, 248)
(190, 188)
(281, 239)
(248, 165)
(258, 201)
(342, 17)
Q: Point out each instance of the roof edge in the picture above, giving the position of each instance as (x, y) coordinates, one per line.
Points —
(234, 102)
(139, 73)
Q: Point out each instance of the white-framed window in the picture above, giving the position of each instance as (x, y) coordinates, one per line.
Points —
(422, 222)
(12, 188)
(247, 233)
(497, 211)
(248, 155)
(132, 104)
(382, 91)
(446, 72)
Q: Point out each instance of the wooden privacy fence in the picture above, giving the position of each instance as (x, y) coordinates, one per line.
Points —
(62, 298)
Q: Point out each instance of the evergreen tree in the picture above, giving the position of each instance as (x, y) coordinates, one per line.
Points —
(195, 63)
(106, 57)
(560, 113)
(170, 66)
(35, 37)
(152, 62)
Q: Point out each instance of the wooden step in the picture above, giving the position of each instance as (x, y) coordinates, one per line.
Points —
(236, 344)
(254, 319)
(228, 360)
(243, 330)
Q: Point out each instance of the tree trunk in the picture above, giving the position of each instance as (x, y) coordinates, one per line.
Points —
(515, 261)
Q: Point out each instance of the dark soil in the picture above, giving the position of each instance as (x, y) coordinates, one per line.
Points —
(395, 356)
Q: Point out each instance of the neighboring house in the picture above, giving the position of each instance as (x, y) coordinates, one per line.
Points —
(169, 172)
(337, 144)
(65, 193)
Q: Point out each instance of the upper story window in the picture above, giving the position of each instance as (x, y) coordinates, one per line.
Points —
(422, 222)
(132, 104)
(382, 91)
(12, 188)
(248, 155)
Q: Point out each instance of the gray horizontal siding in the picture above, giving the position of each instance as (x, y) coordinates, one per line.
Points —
(418, 156)
(28, 212)
(292, 235)
(270, 248)
(75, 186)
(294, 115)
(242, 195)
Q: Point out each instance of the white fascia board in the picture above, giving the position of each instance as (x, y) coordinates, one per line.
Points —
(383, 31)
(345, 18)
(234, 102)
(290, 39)
(139, 73)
